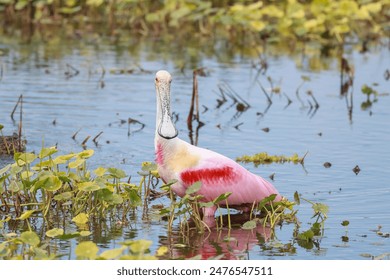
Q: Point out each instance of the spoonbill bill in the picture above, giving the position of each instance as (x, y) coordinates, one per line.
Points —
(186, 164)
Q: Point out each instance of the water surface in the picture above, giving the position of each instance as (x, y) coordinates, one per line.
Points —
(111, 87)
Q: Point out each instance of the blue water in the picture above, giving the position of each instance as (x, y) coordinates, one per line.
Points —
(327, 134)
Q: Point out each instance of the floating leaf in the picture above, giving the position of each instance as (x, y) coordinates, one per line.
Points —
(30, 238)
(345, 223)
(40, 254)
(86, 250)
(85, 233)
(81, 218)
(69, 235)
(249, 225)
(112, 254)
(54, 232)
(140, 246)
(306, 235)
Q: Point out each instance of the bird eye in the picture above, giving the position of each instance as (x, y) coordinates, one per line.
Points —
(156, 80)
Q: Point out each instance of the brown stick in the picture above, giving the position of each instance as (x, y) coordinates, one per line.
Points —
(94, 139)
(85, 140)
(20, 124)
(16, 106)
(194, 89)
(75, 134)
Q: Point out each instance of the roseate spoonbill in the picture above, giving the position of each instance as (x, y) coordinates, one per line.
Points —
(181, 161)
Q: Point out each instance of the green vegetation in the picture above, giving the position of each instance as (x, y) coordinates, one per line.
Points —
(264, 158)
(319, 20)
(46, 198)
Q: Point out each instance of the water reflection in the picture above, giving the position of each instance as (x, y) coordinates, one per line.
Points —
(218, 243)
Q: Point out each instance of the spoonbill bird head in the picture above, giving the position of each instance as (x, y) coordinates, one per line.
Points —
(165, 127)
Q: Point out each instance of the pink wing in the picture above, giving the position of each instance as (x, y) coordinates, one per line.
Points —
(220, 174)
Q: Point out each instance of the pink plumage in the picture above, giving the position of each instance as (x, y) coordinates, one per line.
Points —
(181, 161)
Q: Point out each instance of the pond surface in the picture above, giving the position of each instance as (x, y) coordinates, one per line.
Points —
(114, 84)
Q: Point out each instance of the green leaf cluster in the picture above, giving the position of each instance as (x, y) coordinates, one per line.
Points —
(44, 182)
(329, 21)
(264, 158)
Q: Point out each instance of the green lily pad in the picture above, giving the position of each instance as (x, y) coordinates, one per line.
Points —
(86, 250)
(140, 246)
(112, 254)
(81, 218)
(54, 232)
(85, 233)
(249, 225)
(30, 238)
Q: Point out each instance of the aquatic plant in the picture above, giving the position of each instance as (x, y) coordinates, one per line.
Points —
(264, 158)
(321, 21)
(41, 183)
(43, 188)
(29, 246)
